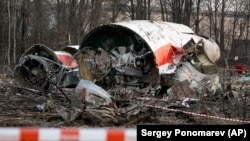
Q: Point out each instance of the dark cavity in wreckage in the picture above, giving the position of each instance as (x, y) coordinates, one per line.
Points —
(119, 64)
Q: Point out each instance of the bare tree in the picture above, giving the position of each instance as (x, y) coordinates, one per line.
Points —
(132, 9)
(149, 10)
(212, 10)
(2, 33)
(61, 19)
(222, 24)
(240, 28)
(24, 19)
(114, 10)
(181, 10)
(14, 31)
(197, 20)
(162, 10)
(215, 20)
(96, 9)
(139, 8)
(83, 19)
(72, 21)
(234, 29)
(9, 34)
(187, 12)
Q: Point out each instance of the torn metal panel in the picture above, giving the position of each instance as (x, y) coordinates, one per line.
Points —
(66, 59)
(70, 78)
(42, 51)
(181, 91)
(91, 102)
(196, 54)
(200, 83)
(86, 66)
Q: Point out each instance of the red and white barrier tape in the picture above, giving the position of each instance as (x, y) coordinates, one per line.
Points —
(227, 69)
(196, 114)
(66, 134)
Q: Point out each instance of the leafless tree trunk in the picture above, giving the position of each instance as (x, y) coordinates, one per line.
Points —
(211, 18)
(176, 8)
(9, 34)
(187, 12)
(14, 30)
(162, 10)
(181, 11)
(166, 10)
(24, 25)
(132, 9)
(96, 9)
(197, 20)
(72, 24)
(61, 22)
(38, 22)
(149, 9)
(215, 24)
(144, 9)
(83, 19)
(247, 27)
(236, 32)
(114, 10)
(139, 14)
(222, 24)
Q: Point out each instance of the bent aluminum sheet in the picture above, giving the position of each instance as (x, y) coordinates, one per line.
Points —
(162, 38)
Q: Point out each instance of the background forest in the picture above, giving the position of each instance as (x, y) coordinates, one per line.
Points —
(57, 23)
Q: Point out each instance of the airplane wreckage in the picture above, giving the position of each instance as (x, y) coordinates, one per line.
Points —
(118, 64)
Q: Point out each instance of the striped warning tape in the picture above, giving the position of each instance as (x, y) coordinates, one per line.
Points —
(197, 114)
(67, 134)
(227, 69)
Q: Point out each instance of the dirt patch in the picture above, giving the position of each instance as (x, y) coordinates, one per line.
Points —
(21, 107)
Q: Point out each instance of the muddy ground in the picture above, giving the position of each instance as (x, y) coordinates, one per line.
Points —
(19, 108)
